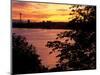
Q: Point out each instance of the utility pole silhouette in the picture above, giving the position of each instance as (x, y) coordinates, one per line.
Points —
(20, 14)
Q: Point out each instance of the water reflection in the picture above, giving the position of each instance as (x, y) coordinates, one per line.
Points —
(39, 38)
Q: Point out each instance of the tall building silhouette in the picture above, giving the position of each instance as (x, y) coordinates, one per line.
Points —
(20, 17)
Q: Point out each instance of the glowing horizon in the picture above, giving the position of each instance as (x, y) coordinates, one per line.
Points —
(38, 12)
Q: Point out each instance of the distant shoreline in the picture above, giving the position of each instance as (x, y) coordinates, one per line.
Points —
(42, 25)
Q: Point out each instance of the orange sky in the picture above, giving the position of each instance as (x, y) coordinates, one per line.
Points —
(38, 12)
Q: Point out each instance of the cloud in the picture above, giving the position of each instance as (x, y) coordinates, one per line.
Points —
(61, 10)
(39, 11)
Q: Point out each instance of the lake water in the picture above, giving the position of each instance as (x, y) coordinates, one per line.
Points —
(39, 38)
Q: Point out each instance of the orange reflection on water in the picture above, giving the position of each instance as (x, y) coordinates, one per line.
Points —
(39, 38)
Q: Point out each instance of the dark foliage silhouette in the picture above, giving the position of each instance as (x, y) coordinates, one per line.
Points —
(25, 59)
(85, 17)
(82, 54)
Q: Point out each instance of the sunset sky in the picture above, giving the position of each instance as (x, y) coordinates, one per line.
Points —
(38, 12)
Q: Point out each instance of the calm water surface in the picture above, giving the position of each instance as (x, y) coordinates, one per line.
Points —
(39, 38)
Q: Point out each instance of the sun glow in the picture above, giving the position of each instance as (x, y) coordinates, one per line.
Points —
(38, 12)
